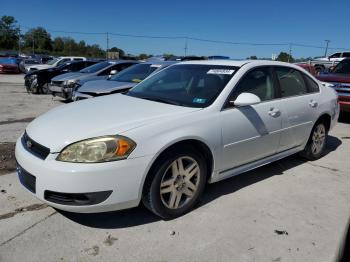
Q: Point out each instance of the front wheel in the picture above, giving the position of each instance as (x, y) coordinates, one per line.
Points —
(316, 145)
(45, 89)
(177, 182)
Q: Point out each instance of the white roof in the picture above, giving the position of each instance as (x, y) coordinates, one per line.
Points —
(238, 63)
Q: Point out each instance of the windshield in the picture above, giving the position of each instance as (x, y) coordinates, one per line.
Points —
(343, 67)
(135, 74)
(7, 61)
(95, 68)
(51, 62)
(187, 85)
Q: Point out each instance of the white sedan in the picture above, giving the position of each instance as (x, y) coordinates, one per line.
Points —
(160, 143)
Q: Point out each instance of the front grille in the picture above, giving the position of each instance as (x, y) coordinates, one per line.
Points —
(57, 83)
(26, 179)
(35, 148)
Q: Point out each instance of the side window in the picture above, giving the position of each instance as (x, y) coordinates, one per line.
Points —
(313, 86)
(63, 61)
(336, 55)
(77, 59)
(346, 54)
(291, 82)
(258, 82)
(77, 66)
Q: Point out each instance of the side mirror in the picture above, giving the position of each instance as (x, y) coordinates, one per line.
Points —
(113, 72)
(246, 99)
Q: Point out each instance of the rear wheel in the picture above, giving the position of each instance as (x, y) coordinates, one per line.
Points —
(176, 183)
(316, 145)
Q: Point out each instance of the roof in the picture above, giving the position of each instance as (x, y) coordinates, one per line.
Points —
(237, 63)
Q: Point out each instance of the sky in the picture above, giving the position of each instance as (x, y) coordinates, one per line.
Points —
(246, 22)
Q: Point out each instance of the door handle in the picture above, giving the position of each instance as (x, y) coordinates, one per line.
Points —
(274, 112)
(313, 103)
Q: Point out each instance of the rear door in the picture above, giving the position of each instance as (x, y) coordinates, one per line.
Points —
(299, 97)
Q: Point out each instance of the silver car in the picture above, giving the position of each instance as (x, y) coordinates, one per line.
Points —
(64, 85)
(121, 82)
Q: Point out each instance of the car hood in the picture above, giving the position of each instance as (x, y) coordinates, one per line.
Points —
(68, 76)
(107, 115)
(104, 86)
(338, 78)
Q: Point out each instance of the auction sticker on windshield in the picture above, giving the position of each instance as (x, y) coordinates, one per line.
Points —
(221, 71)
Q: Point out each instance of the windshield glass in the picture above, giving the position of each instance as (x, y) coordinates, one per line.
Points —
(95, 68)
(7, 61)
(51, 62)
(343, 67)
(186, 85)
(135, 73)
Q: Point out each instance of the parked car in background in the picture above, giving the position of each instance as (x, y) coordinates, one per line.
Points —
(339, 79)
(308, 67)
(325, 63)
(64, 85)
(120, 82)
(9, 65)
(55, 62)
(28, 62)
(160, 143)
(37, 81)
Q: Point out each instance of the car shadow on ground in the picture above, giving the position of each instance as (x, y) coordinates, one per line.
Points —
(140, 215)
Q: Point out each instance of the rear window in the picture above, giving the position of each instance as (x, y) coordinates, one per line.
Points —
(343, 67)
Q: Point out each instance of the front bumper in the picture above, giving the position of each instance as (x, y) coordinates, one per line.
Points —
(61, 91)
(124, 179)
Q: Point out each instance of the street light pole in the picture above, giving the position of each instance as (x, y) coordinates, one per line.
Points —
(325, 52)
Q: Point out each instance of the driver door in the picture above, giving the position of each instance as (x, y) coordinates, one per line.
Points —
(250, 133)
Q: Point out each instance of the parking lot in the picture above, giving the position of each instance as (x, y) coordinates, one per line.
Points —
(290, 210)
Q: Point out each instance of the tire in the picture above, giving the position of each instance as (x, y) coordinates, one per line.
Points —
(34, 88)
(316, 145)
(170, 193)
(45, 89)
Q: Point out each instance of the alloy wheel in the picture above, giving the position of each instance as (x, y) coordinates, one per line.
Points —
(180, 182)
(318, 139)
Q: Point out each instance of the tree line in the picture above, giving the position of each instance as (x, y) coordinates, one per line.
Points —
(39, 41)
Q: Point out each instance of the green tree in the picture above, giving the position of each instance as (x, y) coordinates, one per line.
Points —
(39, 39)
(58, 45)
(285, 57)
(143, 56)
(9, 32)
(116, 49)
(253, 57)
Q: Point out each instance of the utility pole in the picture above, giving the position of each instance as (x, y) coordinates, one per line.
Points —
(19, 39)
(327, 43)
(186, 46)
(107, 39)
(290, 52)
(33, 43)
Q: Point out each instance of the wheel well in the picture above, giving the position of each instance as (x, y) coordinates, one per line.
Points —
(326, 119)
(197, 145)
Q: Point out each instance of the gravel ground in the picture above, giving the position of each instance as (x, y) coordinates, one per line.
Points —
(290, 210)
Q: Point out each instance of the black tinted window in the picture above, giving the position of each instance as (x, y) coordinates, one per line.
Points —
(313, 86)
(343, 67)
(291, 82)
(336, 55)
(63, 61)
(258, 82)
(346, 54)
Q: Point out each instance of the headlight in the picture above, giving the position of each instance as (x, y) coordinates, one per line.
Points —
(71, 83)
(99, 149)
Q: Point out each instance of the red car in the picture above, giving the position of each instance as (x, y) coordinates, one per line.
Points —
(9, 65)
(339, 77)
(308, 67)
